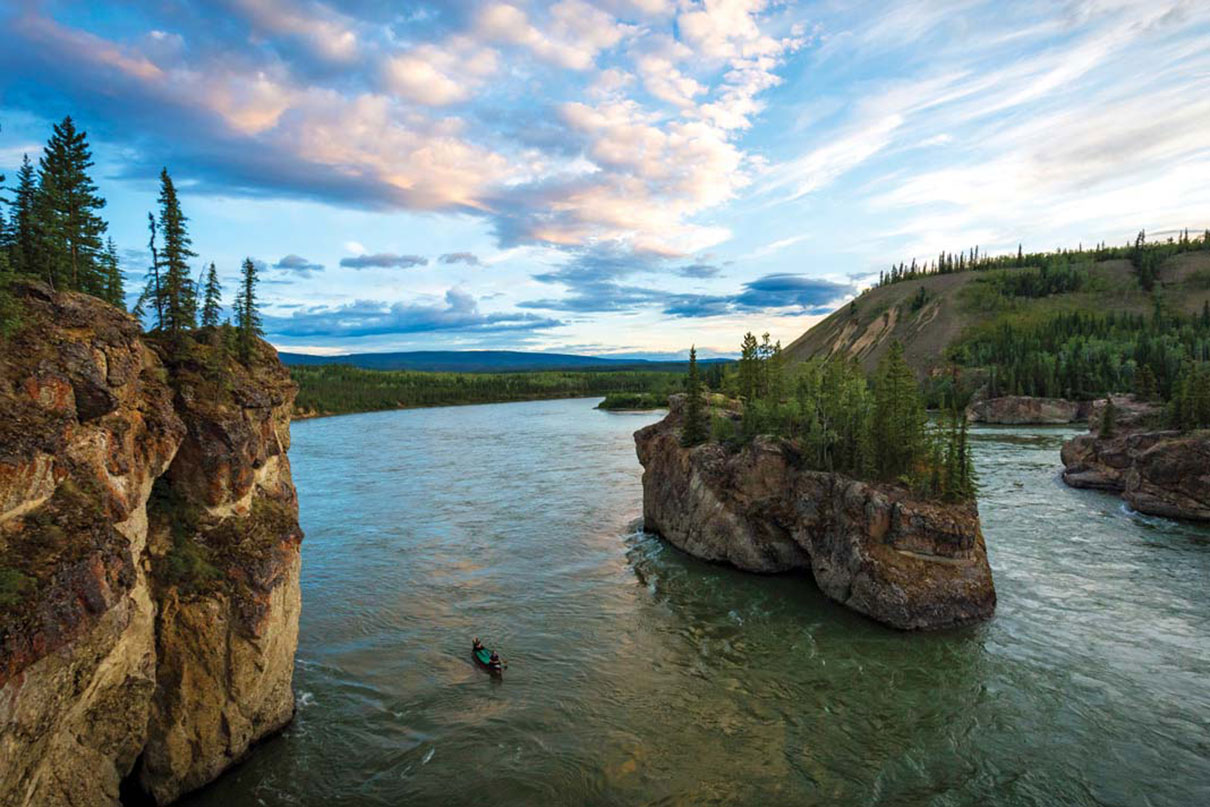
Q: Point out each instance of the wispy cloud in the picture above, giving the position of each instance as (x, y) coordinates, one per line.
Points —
(384, 260)
(298, 265)
(468, 258)
(458, 313)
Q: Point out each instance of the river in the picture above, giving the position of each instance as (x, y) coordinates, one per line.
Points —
(639, 675)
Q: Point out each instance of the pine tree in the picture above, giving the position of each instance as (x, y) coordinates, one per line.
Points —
(179, 307)
(69, 205)
(1109, 419)
(115, 285)
(696, 428)
(213, 299)
(1145, 384)
(898, 426)
(247, 315)
(24, 247)
(749, 368)
(153, 290)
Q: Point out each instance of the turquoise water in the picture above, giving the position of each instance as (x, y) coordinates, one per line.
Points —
(639, 675)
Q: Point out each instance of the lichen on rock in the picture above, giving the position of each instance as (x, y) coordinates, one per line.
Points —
(149, 555)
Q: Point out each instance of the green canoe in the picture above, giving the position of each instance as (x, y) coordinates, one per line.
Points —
(484, 657)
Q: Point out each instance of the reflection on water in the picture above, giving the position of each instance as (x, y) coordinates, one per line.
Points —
(641, 676)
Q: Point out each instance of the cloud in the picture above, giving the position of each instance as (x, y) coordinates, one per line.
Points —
(349, 104)
(459, 313)
(698, 270)
(384, 260)
(785, 290)
(469, 258)
(437, 75)
(298, 265)
(594, 279)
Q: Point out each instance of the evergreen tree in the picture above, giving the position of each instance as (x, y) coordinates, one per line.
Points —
(179, 297)
(749, 368)
(115, 284)
(898, 427)
(25, 253)
(696, 428)
(1145, 385)
(1109, 419)
(247, 314)
(213, 299)
(68, 210)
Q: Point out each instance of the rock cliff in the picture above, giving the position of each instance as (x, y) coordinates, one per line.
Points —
(1156, 471)
(907, 563)
(149, 556)
(1018, 410)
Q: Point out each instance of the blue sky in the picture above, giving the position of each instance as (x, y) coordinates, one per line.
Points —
(623, 176)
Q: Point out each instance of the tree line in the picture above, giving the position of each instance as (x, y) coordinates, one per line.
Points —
(1084, 356)
(53, 231)
(332, 389)
(837, 419)
(1145, 256)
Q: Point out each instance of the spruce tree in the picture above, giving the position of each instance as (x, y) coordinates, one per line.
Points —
(899, 419)
(749, 369)
(1109, 419)
(213, 299)
(696, 428)
(69, 205)
(179, 306)
(24, 239)
(247, 314)
(115, 284)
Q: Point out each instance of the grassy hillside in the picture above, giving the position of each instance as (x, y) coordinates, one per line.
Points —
(935, 313)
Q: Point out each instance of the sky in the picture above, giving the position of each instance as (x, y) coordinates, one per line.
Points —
(620, 177)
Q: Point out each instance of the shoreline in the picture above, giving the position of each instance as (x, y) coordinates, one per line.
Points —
(297, 416)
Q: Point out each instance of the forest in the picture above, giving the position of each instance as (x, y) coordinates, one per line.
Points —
(331, 389)
(54, 233)
(1145, 257)
(837, 419)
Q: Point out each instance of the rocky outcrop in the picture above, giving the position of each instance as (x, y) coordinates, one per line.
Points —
(1018, 410)
(907, 563)
(1158, 472)
(148, 556)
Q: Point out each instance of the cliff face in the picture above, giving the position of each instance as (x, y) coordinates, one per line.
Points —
(148, 557)
(1023, 409)
(906, 563)
(1158, 472)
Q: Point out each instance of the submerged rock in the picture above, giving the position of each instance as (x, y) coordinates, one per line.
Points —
(1158, 472)
(149, 556)
(908, 563)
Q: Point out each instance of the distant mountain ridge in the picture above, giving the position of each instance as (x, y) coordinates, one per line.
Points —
(484, 361)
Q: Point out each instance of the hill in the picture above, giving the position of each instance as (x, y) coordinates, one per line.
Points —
(1015, 304)
(484, 361)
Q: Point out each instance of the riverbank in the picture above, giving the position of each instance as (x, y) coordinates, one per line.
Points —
(310, 415)
(1155, 470)
(326, 390)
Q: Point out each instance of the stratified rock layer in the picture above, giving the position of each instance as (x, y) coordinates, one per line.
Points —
(148, 556)
(1158, 472)
(1018, 410)
(907, 563)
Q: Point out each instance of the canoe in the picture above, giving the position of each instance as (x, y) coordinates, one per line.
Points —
(484, 657)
